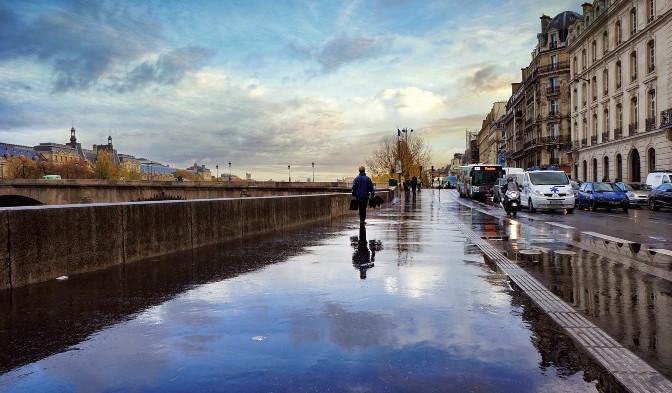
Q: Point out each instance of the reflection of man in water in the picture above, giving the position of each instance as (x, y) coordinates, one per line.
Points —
(362, 258)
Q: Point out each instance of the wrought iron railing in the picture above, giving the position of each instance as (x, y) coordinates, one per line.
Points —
(593, 140)
(605, 136)
(632, 128)
(666, 118)
(584, 142)
(650, 124)
(553, 90)
(618, 133)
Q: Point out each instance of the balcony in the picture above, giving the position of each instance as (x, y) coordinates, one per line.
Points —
(553, 139)
(605, 136)
(554, 67)
(553, 45)
(650, 124)
(618, 133)
(553, 114)
(666, 118)
(555, 161)
(568, 146)
(553, 90)
(584, 142)
(593, 140)
(632, 128)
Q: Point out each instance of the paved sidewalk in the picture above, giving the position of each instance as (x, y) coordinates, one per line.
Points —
(405, 303)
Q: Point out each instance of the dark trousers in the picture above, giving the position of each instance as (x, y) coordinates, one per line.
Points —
(362, 209)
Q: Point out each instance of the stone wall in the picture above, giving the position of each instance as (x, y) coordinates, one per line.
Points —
(42, 243)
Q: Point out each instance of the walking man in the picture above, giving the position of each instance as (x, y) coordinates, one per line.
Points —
(362, 189)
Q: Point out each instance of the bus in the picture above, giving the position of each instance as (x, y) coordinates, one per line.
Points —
(478, 180)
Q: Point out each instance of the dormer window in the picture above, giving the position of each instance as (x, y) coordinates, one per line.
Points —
(554, 41)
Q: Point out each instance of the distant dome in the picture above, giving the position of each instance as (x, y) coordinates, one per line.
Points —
(562, 21)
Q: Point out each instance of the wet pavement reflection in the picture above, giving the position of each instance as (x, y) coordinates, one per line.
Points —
(619, 286)
(404, 303)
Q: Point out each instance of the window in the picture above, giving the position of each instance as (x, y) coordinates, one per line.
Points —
(594, 51)
(605, 81)
(555, 106)
(633, 21)
(634, 111)
(583, 59)
(554, 41)
(619, 74)
(605, 167)
(555, 156)
(605, 42)
(619, 33)
(554, 62)
(619, 116)
(593, 88)
(652, 159)
(652, 108)
(651, 55)
(595, 169)
(575, 99)
(575, 65)
(585, 171)
(594, 131)
(555, 129)
(584, 93)
(619, 168)
(651, 9)
(605, 123)
(633, 66)
(553, 84)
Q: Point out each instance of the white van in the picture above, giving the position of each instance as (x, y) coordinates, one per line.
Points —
(545, 189)
(52, 177)
(654, 179)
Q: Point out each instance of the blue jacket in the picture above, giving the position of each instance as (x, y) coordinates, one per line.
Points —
(362, 187)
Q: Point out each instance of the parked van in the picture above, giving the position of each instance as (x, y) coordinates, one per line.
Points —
(654, 179)
(52, 177)
(544, 189)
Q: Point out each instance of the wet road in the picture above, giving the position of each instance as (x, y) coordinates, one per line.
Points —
(405, 303)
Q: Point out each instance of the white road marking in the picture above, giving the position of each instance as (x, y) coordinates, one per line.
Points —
(560, 225)
(606, 237)
(661, 251)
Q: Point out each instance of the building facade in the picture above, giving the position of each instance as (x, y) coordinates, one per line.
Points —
(537, 120)
(621, 60)
(490, 134)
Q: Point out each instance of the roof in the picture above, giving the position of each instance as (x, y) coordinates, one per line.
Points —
(562, 21)
(15, 151)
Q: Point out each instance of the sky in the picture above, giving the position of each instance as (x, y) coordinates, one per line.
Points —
(260, 84)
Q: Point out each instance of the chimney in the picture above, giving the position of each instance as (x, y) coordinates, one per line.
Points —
(545, 20)
(587, 7)
(514, 88)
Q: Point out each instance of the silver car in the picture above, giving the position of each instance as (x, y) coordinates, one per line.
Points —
(638, 193)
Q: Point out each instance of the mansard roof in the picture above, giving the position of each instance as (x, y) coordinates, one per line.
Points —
(562, 21)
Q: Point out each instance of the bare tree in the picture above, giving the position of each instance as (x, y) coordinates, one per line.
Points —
(413, 153)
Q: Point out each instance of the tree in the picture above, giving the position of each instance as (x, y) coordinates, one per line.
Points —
(105, 168)
(21, 167)
(413, 153)
(184, 174)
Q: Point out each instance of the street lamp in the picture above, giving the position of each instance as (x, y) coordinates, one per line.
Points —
(289, 170)
(229, 170)
(313, 172)
(217, 169)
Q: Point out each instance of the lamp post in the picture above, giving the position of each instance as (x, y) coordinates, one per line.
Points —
(289, 170)
(229, 170)
(313, 171)
(217, 173)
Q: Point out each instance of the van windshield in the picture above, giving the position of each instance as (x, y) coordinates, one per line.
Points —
(549, 178)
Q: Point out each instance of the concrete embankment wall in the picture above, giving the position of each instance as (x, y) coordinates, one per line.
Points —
(41, 243)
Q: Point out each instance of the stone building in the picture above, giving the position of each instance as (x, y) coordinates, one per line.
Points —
(490, 134)
(621, 60)
(537, 120)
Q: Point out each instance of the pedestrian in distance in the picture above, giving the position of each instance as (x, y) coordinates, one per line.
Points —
(407, 188)
(362, 189)
(414, 185)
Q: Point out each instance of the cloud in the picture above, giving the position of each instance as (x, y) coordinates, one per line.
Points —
(168, 69)
(80, 43)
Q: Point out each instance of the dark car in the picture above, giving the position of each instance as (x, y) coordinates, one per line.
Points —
(661, 196)
(602, 194)
(638, 193)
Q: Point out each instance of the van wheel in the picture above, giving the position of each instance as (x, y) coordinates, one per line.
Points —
(570, 210)
(531, 206)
